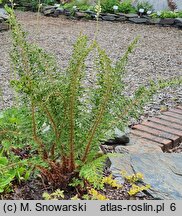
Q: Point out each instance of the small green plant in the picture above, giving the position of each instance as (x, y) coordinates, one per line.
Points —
(136, 189)
(132, 180)
(95, 195)
(11, 167)
(56, 195)
(110, 181)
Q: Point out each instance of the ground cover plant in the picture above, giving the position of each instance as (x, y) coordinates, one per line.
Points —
(61, 118)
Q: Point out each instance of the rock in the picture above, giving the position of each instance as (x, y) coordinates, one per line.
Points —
(153, 21)
(49, 11)
(167, 21)
(122, 14)
(178, 22)
(109, 18)
(3, 14)
(138, 20)
(121, 18)
(131, 15)
(89, 12)
(1, 19)
(48, 8)
(67, 13)
(4, 26)
(123, 140)
(143, 146)
(179, 25)
(111, 144)
(93, 15)
(80, 14)
(60, 10)
(109, 14)
(162, 171)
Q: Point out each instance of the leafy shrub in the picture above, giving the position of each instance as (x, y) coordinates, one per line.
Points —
(167, 14)
(144, 5)
(107, 5)
(12, 169)
(68, 118)
(179, 14)
(81, 5)
(126, 7)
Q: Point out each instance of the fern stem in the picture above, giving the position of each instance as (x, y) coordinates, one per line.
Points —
(95, 126)
(72, 162)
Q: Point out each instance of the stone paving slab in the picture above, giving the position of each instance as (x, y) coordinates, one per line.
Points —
(163, 171)
(140, 145)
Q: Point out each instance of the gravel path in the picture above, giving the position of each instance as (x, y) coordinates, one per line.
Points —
(158, 54)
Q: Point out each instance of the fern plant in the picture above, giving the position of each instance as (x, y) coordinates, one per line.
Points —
(66, 117)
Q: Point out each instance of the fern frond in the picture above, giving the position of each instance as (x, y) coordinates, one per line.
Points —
(93, 171)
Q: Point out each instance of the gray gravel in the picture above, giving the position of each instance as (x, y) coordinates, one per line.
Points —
(158, 54)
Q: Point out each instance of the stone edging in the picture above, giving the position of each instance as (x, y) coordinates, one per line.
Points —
(119, 17)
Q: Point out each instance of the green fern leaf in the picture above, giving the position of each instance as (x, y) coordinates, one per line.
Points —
(93, 171)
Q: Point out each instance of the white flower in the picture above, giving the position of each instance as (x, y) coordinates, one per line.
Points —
(74, 7)
(141, 10)
(115, 7)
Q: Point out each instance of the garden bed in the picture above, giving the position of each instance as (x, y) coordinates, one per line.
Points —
(113, 17)
(16, 116)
